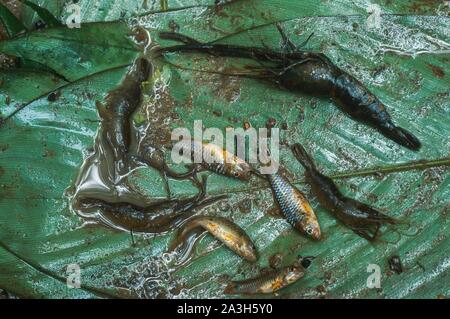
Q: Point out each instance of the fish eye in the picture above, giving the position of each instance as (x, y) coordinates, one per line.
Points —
(309, 230)
(236, 174)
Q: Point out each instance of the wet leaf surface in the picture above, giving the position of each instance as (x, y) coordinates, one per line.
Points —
(405, 63)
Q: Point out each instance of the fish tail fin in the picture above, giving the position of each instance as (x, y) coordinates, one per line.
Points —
(230, 289)
(373, 214)
(179, 239)
(185, 240)
(388, 220)
(303, 157)
(183, 233)
(199, 202)
(401, 136)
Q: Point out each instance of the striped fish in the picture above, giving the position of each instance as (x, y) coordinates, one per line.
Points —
(217, 159)
(266, 283)
(294, 206)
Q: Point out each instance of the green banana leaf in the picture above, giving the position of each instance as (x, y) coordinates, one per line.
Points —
(47, 17)
(405, 62)
(10, 23)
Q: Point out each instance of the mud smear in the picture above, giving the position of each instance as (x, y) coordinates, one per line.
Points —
(224, 87)
(156, 115)
(426, 6)
(437, 71)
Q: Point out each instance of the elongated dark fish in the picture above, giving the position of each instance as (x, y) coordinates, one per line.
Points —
(116, 110)
(318, 76)
(294, 206)
(229, 233)
(157, 218)
(311, 73)
(216, 159)
(360, 217)
(268, 282)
